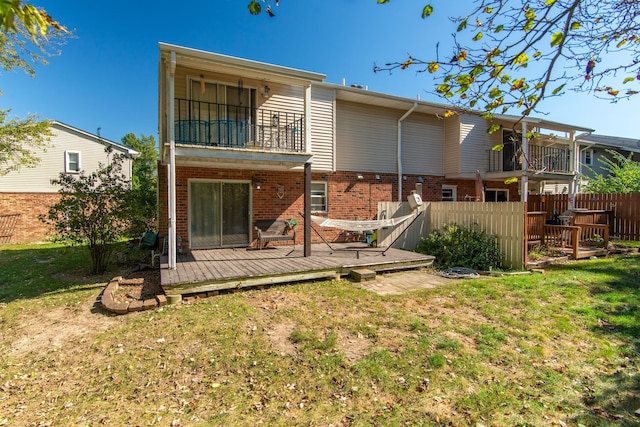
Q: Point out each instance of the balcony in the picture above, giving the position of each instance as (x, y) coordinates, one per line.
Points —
(208, 124)
(542, 159)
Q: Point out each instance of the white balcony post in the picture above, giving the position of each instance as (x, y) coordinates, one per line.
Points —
(573, 167)
(307, 119)
(172, 165)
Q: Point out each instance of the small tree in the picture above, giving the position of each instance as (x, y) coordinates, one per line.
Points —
(93, 210)
(623, 175)
(143, 197)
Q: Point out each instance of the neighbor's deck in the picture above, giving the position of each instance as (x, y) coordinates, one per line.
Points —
(218, 269)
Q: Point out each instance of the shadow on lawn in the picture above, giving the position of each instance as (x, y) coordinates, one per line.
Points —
(615, 310)
(31, 271)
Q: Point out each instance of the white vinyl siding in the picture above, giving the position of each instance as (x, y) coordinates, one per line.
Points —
(52, 162)
(475, 145)
(452, 146)
(285, 99)
(366, 138)
(322, 129)
(422, 147)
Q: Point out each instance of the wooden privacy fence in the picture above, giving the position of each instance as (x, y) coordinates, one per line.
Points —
(503, 220)
(625, 210)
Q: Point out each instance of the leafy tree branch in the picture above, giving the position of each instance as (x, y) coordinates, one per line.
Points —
(509, 55)
(19, 140)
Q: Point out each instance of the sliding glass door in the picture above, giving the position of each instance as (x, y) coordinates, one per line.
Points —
(219, 214)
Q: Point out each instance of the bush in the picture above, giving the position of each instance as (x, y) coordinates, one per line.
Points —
(458, 246)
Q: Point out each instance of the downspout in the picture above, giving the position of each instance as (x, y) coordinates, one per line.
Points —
(172, 164)
(399, 148)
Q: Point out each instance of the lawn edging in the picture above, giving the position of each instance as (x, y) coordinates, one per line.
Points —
(119, 307)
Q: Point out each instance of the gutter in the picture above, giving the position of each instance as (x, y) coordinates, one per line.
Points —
(399, 147)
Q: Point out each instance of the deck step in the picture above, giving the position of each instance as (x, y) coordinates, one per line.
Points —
(362, 275)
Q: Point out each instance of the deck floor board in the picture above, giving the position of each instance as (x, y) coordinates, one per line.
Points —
(216, 269)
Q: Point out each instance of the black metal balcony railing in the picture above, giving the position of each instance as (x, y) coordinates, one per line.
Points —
(231, 126)
(541, 158)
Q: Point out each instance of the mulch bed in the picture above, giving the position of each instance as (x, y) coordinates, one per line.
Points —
(139, 285)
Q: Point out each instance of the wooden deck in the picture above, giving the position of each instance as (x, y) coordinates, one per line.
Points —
(217, 269)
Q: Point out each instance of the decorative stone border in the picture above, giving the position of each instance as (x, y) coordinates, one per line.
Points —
(109, 303)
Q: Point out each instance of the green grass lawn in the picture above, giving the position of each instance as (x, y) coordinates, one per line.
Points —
(559, 348)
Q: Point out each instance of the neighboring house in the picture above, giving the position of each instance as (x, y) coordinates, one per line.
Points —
(27, 193)
(239, 139)
(593, 149)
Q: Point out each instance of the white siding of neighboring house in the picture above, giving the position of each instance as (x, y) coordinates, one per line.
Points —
(366, 138)
(52, 162)
(322, 130)
(422, 147)
(475, 145)
(452, 146)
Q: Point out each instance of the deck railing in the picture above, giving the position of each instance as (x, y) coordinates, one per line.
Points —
(231, 126)
(541, 158)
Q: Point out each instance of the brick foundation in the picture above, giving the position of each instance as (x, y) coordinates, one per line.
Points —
(25, 226)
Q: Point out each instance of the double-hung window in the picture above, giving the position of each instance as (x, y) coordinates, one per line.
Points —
(448, 193)
(496, 195)
(72, 162)
(318, 196)
(588, 157)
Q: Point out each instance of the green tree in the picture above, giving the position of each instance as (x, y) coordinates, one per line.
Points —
(144, 178)
(93, 210)
(623, 175)
(27, 35)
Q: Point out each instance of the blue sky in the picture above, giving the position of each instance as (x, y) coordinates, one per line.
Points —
(107, 74)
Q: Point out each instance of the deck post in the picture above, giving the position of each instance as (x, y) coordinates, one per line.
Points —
(307, 209)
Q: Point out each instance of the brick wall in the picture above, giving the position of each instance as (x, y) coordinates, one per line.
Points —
(26, 227)
(467, 187)
(349, 197)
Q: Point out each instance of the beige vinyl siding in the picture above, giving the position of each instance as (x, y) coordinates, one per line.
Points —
(283, 98)
(452, 147)
(475, 144)
(422, 145)
(322, 114)
(366, 138)
(52, 162)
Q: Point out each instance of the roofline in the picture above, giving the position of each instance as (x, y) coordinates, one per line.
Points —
(99, 139)
(247, 64)
(374, 94)
(543, 122)
(446, 107)
(617, 142)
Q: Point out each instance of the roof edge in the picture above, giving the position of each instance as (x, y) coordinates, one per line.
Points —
(96, 138)
(241, 62)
